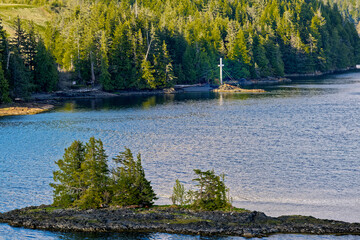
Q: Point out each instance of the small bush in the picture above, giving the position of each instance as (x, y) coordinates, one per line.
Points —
(178, 196)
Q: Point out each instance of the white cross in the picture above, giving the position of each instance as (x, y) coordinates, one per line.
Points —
(221, 65)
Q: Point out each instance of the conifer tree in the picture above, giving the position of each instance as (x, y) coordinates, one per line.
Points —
(20, 40)
(30, 49)
(69, 185)
(212, 192)
(148, 74)
(4, 85)
(4, 47)
(122, 68)
(19, 76)
(46, 75)
(104, 64)
(260, 59)
(164, 73)
(4, 88)
(94, 175)
(189, 64)
(129, 185)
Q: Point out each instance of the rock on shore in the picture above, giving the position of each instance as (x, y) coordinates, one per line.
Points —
(233, 89)
(172, 220)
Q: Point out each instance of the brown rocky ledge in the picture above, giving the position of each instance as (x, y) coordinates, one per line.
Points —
(172, 220)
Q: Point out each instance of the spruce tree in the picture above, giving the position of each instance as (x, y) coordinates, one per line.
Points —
(46, 75)
(19, 77)
(69, 185)
(20, 74)
(129, 185)
(94, 175)
(4, 47)
(148, 74)
(211, 193)
(104, 64)
(4, 88)
(164, 73)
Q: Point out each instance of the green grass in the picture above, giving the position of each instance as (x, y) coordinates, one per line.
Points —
(47, 209)
(38, 15)
(182, 220)
(14, 6)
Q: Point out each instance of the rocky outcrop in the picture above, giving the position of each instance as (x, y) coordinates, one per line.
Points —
(24, 108)
(234, 89)
(172, 220)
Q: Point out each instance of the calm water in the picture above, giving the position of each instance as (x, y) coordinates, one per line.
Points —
(293, 150)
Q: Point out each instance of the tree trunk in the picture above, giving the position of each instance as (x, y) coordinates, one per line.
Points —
(92, 70)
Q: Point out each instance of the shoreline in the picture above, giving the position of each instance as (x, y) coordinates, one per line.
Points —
(321, 74)
(26, 108)
(173, 220)
(43, 102)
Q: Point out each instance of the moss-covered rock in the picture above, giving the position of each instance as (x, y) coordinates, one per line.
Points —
(172, 220)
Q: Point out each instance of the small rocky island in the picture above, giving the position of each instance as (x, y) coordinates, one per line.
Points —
(122, 200)
(172, 220)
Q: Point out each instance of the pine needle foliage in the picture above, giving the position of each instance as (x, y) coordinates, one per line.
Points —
(211, 193)
(130, 187)
(70, 184)
(84, 180)
(94, 175)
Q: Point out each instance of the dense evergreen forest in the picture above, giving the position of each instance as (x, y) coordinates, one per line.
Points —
(150, 44)
(350, 9)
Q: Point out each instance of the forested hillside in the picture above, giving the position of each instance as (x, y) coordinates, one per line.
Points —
(149, 44)
(350, 9)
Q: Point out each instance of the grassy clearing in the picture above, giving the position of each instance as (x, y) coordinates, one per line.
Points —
(14, 6)
(38, 15)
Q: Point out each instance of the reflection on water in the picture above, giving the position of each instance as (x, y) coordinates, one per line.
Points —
(292, 150)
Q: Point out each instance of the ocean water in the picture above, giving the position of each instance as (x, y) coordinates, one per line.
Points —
(292, 150)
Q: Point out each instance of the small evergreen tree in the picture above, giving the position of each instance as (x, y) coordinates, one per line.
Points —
(148, 74)
(4, 47)
(104, 77)
(4, 88)
(212, 192)
(19, 76)
(129, 185)
(70, 186)
(94, 175)
(178, 196)
(46, 75)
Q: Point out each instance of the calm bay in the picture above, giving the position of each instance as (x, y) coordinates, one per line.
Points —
(292, 150)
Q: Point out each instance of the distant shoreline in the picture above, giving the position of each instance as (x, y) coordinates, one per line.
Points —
(172, 220)
(43, 102)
